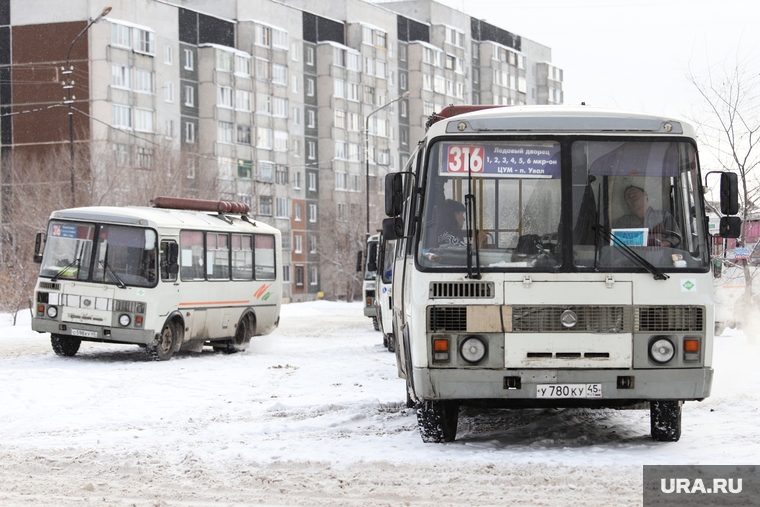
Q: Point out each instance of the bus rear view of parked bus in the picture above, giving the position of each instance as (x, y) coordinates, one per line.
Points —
(553, 257)
(183, 274)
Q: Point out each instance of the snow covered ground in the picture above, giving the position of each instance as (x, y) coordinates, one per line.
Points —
(314, 414)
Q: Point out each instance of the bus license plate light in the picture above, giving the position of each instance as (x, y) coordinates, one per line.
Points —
(569, 391)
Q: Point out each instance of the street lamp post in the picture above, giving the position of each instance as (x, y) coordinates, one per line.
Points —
(366, 147)
(69, 86)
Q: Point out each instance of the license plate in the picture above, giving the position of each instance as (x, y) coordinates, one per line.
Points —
(569, 391)
(83, 333)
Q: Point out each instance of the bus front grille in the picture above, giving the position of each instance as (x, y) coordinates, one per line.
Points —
(588, 319)
(447, 318)
(461, 290)
(669, 318)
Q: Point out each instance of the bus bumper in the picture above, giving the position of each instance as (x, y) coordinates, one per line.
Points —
(87, 332)
(518, 388)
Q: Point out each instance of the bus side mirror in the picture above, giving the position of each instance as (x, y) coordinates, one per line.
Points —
(372, 258)
(173, 257)
(394, 199)
(730, 227)
(729, 194)
(359, 261)
(393, 228)
(37, 247)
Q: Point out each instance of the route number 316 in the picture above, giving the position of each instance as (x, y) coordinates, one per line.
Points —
(463, 157)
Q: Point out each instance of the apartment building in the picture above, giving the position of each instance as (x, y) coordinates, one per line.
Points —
(296, 107)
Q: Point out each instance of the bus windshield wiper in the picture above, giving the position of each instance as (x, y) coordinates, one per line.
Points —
(68, 266)
(630, 253)
(119, 282)
(469, 201)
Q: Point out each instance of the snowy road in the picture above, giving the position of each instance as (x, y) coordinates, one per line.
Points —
(313, 414)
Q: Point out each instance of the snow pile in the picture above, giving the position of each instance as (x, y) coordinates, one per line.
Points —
(314, 414)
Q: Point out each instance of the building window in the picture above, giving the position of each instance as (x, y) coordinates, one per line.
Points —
(341, 152)
(263, 103)
(294, 51)
(190, 133)
(353, 121)
(244, 134)
(189, 96)
(265, 205)
(122, 116)
(310, 56)
(121, 76)
(279, 107)
(144, 81)
(169, 129)
(281, 140)
(146, 42)
(312, 213)
(224, 60)
(340, 119)
(144, 158)
(266, 172)
(297, 212)
(281, 174)
(311, 119)
(312, 150)
(312, 182)
(342, 212)
(243, 100)
(189, 62)
(168, 55)
(297, 180)
(279, 74)
(286, 273)
(243, 65)
(263, 69)
(299, 276)
(281, 207)
(313, 244)
(245, 170)
(225, 96)
(225, 132)
(296, 116)
(264, 138)
(121, 35)
(313, 276)
(298, 243)
(169, 92)
(356, 182)
(123, 154)
(310, 89)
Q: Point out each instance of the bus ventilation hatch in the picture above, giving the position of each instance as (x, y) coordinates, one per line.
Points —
(461, 290)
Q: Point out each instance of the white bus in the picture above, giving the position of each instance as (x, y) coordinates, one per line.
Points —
(369, 285)
(523, 279)
(179, 275)
(383, 302)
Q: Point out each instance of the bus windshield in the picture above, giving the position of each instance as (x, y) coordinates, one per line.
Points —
(627, 203)
(122, 255)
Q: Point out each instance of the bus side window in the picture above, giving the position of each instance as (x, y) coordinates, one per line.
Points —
(264, 257)
(168, 257)
(191, 255)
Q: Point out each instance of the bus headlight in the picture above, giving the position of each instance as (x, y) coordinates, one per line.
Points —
(473, 349)
(124, 319)
(662, 350)
(52, 312)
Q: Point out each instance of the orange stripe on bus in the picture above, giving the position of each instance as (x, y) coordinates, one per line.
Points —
(215, 303)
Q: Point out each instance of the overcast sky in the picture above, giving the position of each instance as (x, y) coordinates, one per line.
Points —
(632, 54)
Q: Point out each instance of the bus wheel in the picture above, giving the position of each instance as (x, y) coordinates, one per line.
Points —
(375, 324)
(243, 334)
(665, 420)
(165, 348)
(65, 345)
(437, 421)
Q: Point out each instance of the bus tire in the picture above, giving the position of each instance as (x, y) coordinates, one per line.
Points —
(437, 420)
(65, 345)
(665, 420)
(245, 331)
(375, 324)
(167, 342)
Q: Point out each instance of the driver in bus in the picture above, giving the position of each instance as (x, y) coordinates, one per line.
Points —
(450, 225)
(663, 230)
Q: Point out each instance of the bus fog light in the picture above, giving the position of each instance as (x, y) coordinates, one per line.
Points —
(473, 349)
(662, 350)
(124, 319)
(52, 312)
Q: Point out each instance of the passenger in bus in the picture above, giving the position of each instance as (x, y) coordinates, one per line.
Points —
(663, 230)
